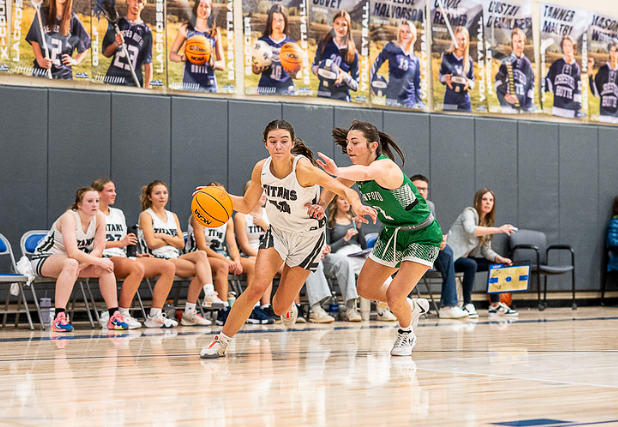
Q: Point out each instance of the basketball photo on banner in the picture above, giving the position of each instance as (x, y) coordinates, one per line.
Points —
(130, 36)
(275, 47)
(459, 74)
(511, 69)
(603, 68)
(200, 40)
(339, 49)
(398, 54)
(51, 40)
(564, 69)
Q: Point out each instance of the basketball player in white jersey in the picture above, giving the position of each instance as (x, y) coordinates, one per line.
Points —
(292, 184)
(72, 249)
(161, 236)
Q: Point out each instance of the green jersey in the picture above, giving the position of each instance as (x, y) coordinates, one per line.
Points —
(402, 206)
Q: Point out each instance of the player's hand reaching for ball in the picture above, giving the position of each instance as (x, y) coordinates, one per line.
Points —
(362, 210)
(328, 164)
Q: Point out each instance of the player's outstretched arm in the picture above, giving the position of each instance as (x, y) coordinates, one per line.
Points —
(252, 196)
(379, 170)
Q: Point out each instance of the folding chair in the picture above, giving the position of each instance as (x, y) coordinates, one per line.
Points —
(10, 278)
(28, 242)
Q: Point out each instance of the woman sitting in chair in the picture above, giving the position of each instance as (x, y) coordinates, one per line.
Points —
(72, 249)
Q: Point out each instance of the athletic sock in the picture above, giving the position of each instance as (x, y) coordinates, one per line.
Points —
(154, 312)
(350, 304)
(123, 311)
(208, 288)
(111, 311)
(224, 338)
(190, 308)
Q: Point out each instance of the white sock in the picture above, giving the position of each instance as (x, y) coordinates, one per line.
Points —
(208, 288)
(406, 329)
(190, 308)
(123, 311)
(224, 338)
(154, 312)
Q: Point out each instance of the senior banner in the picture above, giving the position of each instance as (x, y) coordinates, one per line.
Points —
(603, 68)
(339, 49)
(5, 36)
(275, 47)
(128, 43)
(511, 68)
(200, 45)
(564, 44)
(398, 52)
(51, 41)
(458, 66)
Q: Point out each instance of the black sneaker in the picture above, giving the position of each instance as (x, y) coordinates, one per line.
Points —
(268, 309)
(258, 316)
(222, 316)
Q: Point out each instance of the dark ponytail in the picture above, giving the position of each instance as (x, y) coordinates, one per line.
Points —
(303, 150)
(386, 144)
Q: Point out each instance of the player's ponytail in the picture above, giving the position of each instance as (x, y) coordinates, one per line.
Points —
(145, 202)
(79, 197)
(301, 149)
(386, 144)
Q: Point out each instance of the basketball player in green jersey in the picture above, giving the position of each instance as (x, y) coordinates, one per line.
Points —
(411, 237)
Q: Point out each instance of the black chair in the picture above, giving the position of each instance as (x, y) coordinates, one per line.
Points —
(531, 246)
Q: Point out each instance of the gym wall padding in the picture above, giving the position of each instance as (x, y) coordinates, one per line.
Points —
(557, 178)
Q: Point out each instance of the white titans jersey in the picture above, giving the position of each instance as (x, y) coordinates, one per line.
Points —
(115, 230)
(215, 238)
(168, 227)
(255, 232)
(53, 243)
(286, 200)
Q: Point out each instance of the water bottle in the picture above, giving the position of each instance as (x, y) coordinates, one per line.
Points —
(169, 310)
(231, 298)
(45, 306)
(132, 249)
(333, 308)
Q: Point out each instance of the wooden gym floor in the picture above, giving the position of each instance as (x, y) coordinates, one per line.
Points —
(553, 368)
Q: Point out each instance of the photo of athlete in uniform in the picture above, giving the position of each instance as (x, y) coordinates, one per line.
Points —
(457, 72)
(604, 84)
(275, 80)
(137, 37)
(404, 69)
(515, 79)
(337, 53)
(64, 35)
(564, 81)
(292, 184)
(410, 240)
(199, 78)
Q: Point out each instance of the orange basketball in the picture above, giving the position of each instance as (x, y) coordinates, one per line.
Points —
(198, 50)
(212, 206)
(505, 298)
(291, 57)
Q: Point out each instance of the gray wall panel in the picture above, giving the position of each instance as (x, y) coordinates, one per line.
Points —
(140, 147)
(79, 144)
(452, 166)
(312, 123)
(23, 162)
(199, 148)
(246, 126)
(538, 205)
(579, 202)
(411, 132)
(496, 165)
(608, 174)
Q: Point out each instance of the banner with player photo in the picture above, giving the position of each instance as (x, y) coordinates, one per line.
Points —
(399, 38)
(510, 63)
(275, 47)
(564, 67)
(339, 49)
(5, 36)
(200, 45)
(46, 49)
(128, 43)
(603, 68)
(458, 67)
